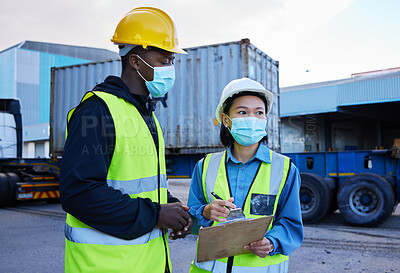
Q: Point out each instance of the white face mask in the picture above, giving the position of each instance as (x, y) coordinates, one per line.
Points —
(163, 79)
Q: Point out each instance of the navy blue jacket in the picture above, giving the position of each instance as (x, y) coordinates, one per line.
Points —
(86, 158)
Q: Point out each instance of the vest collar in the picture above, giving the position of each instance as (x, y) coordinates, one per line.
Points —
(114, 85)
(262, 154)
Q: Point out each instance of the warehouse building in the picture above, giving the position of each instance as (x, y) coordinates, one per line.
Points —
(359, 113)
(25, 73)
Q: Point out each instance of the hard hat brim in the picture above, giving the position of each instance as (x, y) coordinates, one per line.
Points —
(173, 50)
(177, 50)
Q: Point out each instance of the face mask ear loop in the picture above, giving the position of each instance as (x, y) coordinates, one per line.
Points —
(226, 126)
(145, 62)
(141, 75)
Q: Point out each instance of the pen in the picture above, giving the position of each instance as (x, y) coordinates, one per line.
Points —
(216, 195)
(234, 214)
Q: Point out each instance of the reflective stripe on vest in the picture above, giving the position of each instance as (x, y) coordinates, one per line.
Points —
(220, 267)
(137, 186)
(269, 180)
(210, 176)
(135, 170)
(95, 237)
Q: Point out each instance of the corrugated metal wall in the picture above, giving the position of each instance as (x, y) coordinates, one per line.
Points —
(188, 112)
(25, 73)
(327, 97)
(77, 52)
(47, 61)
(7, 74)
(309, 101)
(375, 90)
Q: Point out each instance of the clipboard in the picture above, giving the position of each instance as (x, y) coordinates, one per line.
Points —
(226, 240)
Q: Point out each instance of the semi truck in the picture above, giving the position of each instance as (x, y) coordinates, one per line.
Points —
(22, 178)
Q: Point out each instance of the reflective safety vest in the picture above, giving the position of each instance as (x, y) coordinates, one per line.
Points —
(136, 170)
(267, 185)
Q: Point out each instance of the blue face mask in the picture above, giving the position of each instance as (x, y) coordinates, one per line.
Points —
(248, 130)
(163, 80)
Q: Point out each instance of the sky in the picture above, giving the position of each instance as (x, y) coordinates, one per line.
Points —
(313, 40)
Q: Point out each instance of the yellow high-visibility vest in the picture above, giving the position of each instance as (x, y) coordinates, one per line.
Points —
(136, 170)
(269, 181)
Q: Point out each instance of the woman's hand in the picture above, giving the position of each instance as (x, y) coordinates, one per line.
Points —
(218, 209)
(261, 248)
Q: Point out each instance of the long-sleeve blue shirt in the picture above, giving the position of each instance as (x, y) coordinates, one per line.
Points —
(287, 230)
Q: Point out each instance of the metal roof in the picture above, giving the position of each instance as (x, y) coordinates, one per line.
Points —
(81, 52)
(327, 96)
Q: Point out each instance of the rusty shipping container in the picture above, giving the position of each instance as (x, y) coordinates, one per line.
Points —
(187, 113)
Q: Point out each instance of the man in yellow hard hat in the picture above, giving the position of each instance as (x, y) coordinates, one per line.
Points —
(113, 176)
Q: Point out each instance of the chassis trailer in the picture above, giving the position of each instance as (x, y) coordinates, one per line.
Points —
(363, 185)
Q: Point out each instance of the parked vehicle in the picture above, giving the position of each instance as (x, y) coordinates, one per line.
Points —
(22, 178)
(364, 185)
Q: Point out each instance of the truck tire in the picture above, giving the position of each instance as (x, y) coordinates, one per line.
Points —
(12, 179)
(333, 188)
(53, 200)
(315, 197)
(365, 200)
(4, 190)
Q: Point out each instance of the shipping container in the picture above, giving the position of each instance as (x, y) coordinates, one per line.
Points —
(187, 112)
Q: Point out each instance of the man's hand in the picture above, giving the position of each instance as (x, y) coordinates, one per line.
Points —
(178, 234)
(261, 248)
(218, 209)
(173, 216)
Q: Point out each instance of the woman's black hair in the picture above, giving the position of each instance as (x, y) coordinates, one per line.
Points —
(224, 134)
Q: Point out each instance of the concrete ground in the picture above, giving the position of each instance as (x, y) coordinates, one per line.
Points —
(330, 246)
(31, 240)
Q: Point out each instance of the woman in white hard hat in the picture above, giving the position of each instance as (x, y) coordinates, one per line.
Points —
(249, 176)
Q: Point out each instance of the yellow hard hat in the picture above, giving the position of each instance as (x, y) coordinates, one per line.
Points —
(147, 26)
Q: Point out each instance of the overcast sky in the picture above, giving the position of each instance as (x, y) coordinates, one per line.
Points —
(331, 39)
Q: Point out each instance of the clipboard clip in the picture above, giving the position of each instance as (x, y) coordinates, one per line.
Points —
(234, 214)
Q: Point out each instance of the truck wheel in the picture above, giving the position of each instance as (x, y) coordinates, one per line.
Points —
(12, 179)
(4, 190)
(315, 197)
(365, 199)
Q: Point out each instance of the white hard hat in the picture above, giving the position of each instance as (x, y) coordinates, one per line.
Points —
(241, 85)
